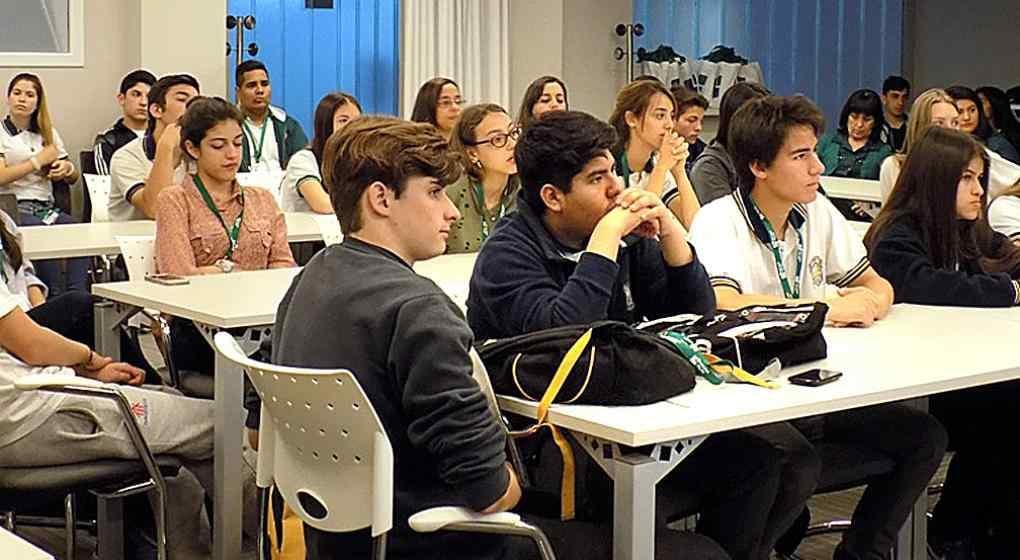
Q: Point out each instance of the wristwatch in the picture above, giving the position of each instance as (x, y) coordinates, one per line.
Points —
(225, 265)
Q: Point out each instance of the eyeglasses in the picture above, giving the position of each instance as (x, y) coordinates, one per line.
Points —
(446, 102)
(500, 139)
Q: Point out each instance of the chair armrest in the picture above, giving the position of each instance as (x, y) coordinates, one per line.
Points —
(437, 518)
(45, 381)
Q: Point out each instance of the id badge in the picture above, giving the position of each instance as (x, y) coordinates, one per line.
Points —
(51, 217)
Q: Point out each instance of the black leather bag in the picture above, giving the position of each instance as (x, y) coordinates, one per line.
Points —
(620, 366)
(752, 336)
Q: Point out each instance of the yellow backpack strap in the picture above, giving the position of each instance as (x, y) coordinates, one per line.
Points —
(725, 366)
(291, 544)
(567, 496)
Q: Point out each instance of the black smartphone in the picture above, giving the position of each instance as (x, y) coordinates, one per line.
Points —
(815, 377)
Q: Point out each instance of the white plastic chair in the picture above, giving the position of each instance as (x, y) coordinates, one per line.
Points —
(99, 193)
(323, 445)
(329, 227)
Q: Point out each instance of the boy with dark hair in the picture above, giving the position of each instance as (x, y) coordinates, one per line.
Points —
(142, 168)
(895, 97)
(690, 115)
(271, 136)
(359, 305)
(773, 241)
(133, 98)
(581, 248)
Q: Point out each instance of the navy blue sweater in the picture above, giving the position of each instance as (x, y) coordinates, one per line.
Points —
(900, 257)
(525, 281)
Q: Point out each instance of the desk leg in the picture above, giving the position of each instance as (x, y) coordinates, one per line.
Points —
(635, 475)
(106, 331)
(229, 463)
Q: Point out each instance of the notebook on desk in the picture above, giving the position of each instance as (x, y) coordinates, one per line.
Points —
(9, 204)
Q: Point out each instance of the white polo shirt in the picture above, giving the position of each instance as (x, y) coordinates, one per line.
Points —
(23, 411)
(129, 170)
(302, 165)
(732, 244)
(270, 160)
(18, 146)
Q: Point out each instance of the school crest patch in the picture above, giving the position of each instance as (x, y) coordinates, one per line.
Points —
(815, 268)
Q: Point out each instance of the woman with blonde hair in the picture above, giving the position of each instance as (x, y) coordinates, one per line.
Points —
(32, 158)
(649, 154)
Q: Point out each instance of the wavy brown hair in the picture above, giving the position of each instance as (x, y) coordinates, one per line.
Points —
(634, 98)
(384, 150)
(925, 194)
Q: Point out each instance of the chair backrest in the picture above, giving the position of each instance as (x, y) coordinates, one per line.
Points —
(329, 227)
(99, 195)
(269, 180)
(138, 253)
(322, 443)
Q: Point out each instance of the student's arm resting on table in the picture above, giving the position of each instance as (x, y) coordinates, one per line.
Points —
(448, 416)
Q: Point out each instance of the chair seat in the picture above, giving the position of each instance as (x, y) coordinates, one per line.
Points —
(20, 483)
(846, 465)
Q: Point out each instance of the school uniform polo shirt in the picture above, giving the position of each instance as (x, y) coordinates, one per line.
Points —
(269, 159)
(732, 243)
(302, 166)
(129, 170)
(18, 146)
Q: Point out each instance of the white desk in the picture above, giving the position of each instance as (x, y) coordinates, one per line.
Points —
(215, 302)
(99, 238)
(228, 301)
(852, 189)
(13, 546)
(912, 353)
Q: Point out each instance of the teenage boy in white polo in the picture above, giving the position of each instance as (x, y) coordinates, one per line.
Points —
(271, 136)
(141, 169)
(774, 240)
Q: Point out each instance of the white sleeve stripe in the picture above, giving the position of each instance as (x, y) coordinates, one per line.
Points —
(1016, 292)
(854, 273)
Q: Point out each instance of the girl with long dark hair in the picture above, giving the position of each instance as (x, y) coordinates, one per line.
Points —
(544, 95)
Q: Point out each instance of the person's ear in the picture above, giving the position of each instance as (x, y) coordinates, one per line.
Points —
(378, 199)
(473, 157)
(155, 111)
(759, 171)
(552, 197)
(120, 98)
(631, 119)
(191, 149)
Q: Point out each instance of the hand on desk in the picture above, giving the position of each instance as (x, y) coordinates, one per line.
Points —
(855, 307)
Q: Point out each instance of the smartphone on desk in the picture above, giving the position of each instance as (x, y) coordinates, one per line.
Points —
(167, 279)
(815, 377)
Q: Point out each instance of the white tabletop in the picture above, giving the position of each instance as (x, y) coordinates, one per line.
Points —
(13, 546)
(226, 301)
(853, 189)
(451, 273)
(99, 238)
(915, 351)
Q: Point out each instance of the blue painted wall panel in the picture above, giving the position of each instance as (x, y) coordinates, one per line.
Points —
(353, 47)
(823, 48)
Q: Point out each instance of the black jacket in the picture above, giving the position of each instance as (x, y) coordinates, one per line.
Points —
(360, 307)
(901, 258)
(523, 282)
(109, 142)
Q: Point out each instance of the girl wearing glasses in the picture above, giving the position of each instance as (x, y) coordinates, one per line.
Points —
(438, 103)
(649, 154)
(486, 137)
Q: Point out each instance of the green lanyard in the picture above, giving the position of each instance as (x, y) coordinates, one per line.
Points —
(232, 233)
(257, 150)
(625, 169)
(483, 209)
(791, 290)
(685, 346)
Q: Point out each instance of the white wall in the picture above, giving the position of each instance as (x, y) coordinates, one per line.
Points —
(572, 39)
(950, 42)
(186, 36)
(81, 100)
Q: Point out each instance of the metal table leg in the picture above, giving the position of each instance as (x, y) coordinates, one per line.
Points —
(108, 318)
(634, 476)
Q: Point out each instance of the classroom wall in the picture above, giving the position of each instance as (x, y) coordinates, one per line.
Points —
(186, 36)
(81, 100)
(572, 39)
(972, 43)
